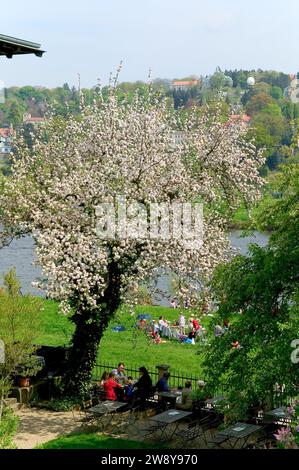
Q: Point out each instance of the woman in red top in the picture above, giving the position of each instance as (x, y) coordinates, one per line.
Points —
(109, 387)
(196, 325)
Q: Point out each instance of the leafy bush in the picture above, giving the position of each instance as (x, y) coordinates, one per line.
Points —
(8, 428)
(63, 404)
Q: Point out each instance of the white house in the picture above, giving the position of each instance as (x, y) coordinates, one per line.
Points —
(7, 135)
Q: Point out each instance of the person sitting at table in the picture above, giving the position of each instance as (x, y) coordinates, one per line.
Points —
(104, 377)
(129, 389)
(144, 385)
(143, 388)
(162, 385)
(199, 397)
(187, 400)
(120, 376)
(110, 386)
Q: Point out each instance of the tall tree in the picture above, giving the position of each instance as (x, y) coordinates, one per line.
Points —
(259, 295)
(123, 149)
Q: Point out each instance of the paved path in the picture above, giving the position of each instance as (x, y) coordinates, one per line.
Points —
(37, 426)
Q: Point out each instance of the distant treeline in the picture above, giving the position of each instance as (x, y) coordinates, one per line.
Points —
(274, 116)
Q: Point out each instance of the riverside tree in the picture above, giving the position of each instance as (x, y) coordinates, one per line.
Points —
(259, 295)
(125, 152)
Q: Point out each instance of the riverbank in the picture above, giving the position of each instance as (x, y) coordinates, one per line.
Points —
(20, 255)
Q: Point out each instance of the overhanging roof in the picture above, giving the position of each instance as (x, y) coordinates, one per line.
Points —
(10, 46)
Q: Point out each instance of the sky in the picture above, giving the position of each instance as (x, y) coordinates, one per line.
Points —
(174, 38)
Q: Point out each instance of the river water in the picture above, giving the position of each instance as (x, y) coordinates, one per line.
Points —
(20, 254)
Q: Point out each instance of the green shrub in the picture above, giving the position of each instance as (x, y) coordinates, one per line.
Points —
(63, 404)
(8, 428)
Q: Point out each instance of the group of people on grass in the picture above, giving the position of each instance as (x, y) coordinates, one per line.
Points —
(188, 332)
(118, 386)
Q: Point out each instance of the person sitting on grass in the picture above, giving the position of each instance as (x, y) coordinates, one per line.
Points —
(196, 324)
(110, 386)
(192, 335)
(157, 339)
(236, 345)
(162, 323)
(218, 330)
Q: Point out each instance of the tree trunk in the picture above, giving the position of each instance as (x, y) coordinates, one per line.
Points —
(90, 326)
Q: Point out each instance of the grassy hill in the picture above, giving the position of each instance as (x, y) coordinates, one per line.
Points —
(131, 346)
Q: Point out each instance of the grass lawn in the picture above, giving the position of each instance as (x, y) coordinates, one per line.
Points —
(241, 217)
(94, 441)
(131, 346)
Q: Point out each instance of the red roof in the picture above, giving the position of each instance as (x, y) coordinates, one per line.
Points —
(240, 117)
(6, 132)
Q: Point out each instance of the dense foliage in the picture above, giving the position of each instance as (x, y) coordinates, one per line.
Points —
(259, 295)
(18, 330)
(274, 116)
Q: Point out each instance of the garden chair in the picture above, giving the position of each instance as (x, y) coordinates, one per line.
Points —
(191, 433)
(218, 440)
(207, 424)
(154, 430)
(128, 424)
(80, 416)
